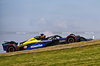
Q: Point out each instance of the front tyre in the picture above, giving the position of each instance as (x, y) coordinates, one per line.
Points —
(11, 48)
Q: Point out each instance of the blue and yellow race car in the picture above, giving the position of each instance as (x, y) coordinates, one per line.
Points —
(36, 42)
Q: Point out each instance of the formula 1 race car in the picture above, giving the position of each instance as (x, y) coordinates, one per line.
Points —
(36, 42)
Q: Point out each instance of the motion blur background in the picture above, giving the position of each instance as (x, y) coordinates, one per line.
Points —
(23, 19)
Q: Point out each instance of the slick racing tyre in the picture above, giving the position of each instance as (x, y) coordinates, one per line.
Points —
(12, 48)
(71, 39)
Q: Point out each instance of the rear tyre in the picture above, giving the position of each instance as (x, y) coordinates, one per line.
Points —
(12, 48)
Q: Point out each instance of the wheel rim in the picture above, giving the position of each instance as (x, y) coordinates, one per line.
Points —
(11, 49)
(70, 40)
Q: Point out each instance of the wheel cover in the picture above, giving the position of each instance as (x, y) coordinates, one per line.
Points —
(11, 49)
(71, 40)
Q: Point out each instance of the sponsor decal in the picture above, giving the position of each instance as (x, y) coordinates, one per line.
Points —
(39, 45)
(25, 47)
(62, 40)
(46, 40)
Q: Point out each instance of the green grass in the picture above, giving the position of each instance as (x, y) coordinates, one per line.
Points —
(82, 56)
